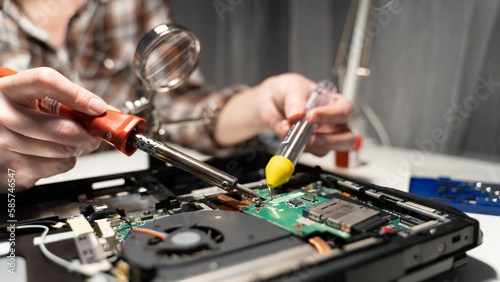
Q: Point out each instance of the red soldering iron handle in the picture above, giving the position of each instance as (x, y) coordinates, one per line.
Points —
(6, 72)
(112, 126)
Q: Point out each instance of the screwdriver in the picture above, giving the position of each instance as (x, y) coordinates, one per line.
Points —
(282, 165)
(126, 133)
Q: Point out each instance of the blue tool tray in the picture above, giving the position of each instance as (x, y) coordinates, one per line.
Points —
(468, 196)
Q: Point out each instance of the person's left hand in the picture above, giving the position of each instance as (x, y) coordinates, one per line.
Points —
(285, 104)
(276, 104)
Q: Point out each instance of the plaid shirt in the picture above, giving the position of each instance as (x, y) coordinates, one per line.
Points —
(98, 53)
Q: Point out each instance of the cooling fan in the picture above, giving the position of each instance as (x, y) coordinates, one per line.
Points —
(190, 241)
(200, 242)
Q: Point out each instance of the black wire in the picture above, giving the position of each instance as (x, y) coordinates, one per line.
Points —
(101, 214)
(127, 222)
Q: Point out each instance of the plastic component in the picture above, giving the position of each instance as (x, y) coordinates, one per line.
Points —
(6, 72)
(278, 171)
(348, 159)
(468, 196)
(112, 126)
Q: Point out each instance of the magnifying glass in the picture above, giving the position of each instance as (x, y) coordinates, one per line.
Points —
(164, 60)
(166, 57)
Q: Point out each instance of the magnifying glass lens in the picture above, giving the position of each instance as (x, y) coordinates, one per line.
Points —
(166, 57)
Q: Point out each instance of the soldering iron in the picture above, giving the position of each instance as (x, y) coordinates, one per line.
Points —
(164, 60)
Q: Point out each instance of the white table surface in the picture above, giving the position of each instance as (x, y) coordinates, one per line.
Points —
(390, 167)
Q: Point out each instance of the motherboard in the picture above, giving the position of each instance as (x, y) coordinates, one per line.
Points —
(163, 225)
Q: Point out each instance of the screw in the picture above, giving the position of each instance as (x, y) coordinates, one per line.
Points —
(108, 135)
(441, 247)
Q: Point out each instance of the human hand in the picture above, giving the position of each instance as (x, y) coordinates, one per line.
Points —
(36, 144)
(283, 99)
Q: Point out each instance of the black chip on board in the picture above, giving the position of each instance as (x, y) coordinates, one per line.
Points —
(295, 203)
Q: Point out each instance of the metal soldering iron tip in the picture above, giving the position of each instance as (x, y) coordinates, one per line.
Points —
(247, 191)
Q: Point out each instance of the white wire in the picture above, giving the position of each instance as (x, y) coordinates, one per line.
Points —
(388, 5)
(64, 263)
(376, 123)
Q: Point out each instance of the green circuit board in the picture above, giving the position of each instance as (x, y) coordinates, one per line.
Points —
(286, 211)
(124, 228)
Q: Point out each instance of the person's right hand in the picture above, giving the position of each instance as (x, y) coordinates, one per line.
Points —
(36, 144)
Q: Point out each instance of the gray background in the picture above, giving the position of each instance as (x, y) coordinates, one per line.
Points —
(428, 60)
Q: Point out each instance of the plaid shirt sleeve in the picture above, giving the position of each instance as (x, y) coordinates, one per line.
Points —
(98, 54)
